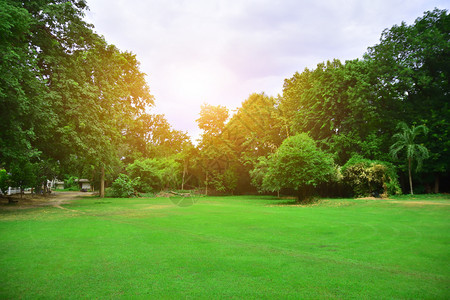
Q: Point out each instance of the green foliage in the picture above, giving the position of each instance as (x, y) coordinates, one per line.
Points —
(212, 119)
(225, 182)
(155, 174)
(71, 184)
(412, 80)
(64, 91)
(124, 186)
(333, 103)
(299, 165)
(69, 98)
(5, 181)
(23, 112)
(258, 174)
(151, 135)
(24, 175)
(353, 108)
(261, 178)
(370, 177)
(406, 140)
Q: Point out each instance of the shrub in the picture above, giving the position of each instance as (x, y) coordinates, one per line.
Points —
(5, 181)
(71, 184)
(155, 173)
(370, 177)
(298, 164)
(124, 186)
(225, 182)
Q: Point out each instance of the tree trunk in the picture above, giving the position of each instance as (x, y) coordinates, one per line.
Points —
(436, 183)
(184, 174)
(102, 183)
(92, 180)
(410, 176)
(206, 182)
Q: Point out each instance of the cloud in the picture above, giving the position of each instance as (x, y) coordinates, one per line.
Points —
(221, 51)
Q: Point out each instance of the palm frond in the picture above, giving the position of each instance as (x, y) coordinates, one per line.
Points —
(405, 140)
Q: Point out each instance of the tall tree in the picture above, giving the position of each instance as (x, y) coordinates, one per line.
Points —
(21, 90)
(333, 103)
(67, 86)
(406, 140)
(353, 108)
(214, 147)
(151, 135)
(255, 130)
(412, 65)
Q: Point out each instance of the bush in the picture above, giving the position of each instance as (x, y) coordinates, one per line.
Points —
(124, 186)
(155, 174)
(371, 177)
(298, 164)
(71, 184)
(5, 181)
(225, 182)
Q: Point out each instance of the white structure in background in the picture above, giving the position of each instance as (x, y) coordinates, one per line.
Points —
(13, 190)
(51, 185)
(55, 184)
(84, 184)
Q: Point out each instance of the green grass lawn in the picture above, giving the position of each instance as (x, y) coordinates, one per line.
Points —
(228, 247)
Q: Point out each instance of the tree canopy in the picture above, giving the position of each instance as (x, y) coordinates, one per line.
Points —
(299, 165)
(67, 92)
(406, 140)
(74, 105)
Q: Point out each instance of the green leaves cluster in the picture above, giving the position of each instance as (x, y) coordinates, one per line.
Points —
(406, 140)
(370, 177)
(348, 108)
(64, 91)
(155, 174)
(124, 186)
(354, 107)
(73, 104)
(298, 165)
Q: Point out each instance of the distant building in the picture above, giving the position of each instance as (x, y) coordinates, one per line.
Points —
(84, 184)
(58, 185)
(11, 191)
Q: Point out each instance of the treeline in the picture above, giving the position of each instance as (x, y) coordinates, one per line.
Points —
(70, 103)
(351, 111)
(73, 105)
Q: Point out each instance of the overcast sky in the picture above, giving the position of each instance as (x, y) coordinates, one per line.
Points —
(221, 51)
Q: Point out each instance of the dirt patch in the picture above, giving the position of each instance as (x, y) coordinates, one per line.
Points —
(161, 206)
(55, 199)
(372, 198)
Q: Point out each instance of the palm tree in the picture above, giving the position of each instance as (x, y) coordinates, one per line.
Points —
(405, 140)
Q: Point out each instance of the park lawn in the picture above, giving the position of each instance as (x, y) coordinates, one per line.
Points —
(228, 247)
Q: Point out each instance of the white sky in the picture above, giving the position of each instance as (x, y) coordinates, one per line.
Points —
(221, 51)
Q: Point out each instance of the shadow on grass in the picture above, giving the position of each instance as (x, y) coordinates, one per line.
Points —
(292, 201)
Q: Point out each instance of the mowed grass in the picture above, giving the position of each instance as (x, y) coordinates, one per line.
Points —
(228, 247)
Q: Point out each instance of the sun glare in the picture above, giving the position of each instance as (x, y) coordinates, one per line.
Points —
(200, 82)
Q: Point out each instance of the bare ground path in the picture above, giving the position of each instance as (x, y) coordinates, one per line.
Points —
(55, 199)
